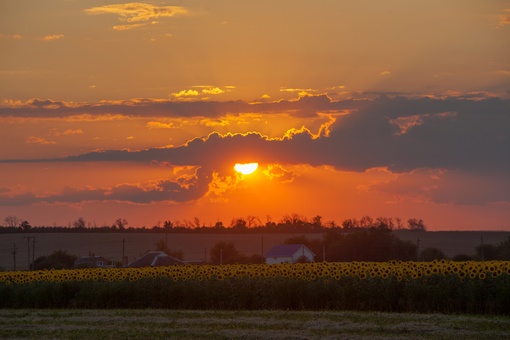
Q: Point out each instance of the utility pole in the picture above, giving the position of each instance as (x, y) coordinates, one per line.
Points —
(33, 252)
(28, 248)
(14, 256)
(481, 246)
(323, 253)
(262, 248)
(418, 248)
(123, 248)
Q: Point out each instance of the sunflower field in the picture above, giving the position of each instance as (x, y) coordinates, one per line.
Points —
(438, 286)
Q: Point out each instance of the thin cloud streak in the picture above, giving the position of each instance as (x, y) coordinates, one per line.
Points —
(137, 14)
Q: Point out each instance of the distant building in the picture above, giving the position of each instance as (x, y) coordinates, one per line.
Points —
(154, 259)
(289, 253)
(91, 262)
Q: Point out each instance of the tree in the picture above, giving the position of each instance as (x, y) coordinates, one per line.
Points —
(370, 244)
(121, 223)
(431, 254)
(12, 221)
(238, 224)
(224, 253)
(462, 257)
(486, 252)
(25, 225)
(161, 245)
(503, 250)
(79, 223)
(59, 259)
(416, 224)
(252, 221)
(167, 225)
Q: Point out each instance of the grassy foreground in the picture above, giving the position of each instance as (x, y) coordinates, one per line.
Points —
(164, 324)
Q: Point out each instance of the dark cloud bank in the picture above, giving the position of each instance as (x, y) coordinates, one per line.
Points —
(459, 135)
(401, 134)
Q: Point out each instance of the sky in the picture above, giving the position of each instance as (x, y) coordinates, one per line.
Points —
(140, 110)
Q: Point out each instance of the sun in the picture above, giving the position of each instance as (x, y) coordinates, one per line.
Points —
(246, 168)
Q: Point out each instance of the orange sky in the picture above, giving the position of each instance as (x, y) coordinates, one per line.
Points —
(140, 110)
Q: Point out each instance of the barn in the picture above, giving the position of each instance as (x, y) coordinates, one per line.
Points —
(289, 253)
(154, 259)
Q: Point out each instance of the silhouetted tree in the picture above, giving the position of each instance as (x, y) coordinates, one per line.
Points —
(486, 252)
(252, 221)
(367, 245)
(238, 224)
(25, 225)
(59, 259)
(462, 257)
(224, 253)
(12, 221)
(503, 250)
(416, 224)
(121, 223)
(431, 254)
(79, 223)
(161, 245)
(167, 225)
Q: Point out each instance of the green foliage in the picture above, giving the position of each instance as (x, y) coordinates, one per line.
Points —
(462, 257)
(161, 245)
(59, 259)
(430, 254)
(371, 244)
(488, 252)
(226, 253)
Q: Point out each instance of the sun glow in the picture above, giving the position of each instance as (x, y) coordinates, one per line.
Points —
(247, 168)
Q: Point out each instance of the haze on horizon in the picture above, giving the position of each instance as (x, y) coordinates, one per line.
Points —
(140, 110)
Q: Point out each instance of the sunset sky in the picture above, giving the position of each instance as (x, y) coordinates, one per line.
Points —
(140, 110)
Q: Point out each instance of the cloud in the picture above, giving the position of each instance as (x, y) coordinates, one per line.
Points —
(400, 134)
(137, 14)
(446, 187)
(68, 132)
(184, 188)
(203, 92)
(186, 93)
(38, 140)
(11, 36)
(504, 19)
(160, 125)
(46, 108)
(278, 173)
(52, 37)
(128, 27)
(212, 90)
(466, 135)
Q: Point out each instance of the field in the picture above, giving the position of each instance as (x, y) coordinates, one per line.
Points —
(165, 324)
(196, 247)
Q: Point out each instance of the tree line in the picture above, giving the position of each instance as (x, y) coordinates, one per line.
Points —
(291, 223)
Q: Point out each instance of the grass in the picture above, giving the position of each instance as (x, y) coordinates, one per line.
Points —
(164, 324)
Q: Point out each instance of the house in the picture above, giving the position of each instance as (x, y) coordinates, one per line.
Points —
(154, 259)
(91, 262)
(289, 253)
